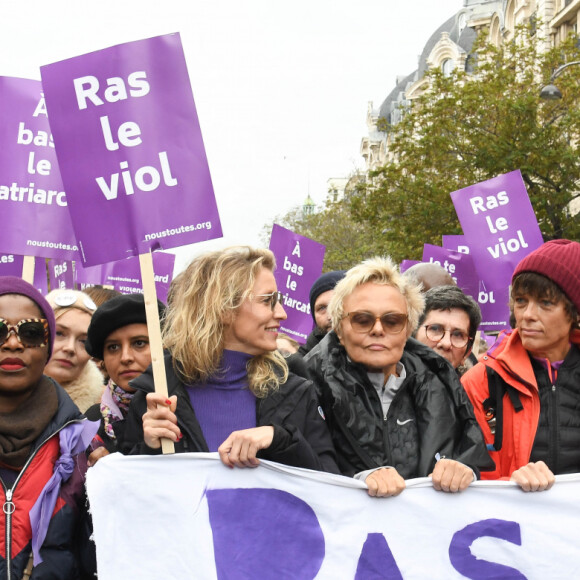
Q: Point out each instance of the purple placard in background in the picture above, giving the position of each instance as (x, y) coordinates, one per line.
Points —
(456, 243)
(493, 301)
(125, 275)
(298, 265)
(499, 224)
(130, 150)
(11, 265)
(33, 204)
(61, 274)
(458, 265)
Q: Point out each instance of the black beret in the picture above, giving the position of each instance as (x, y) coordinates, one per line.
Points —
(113, 314)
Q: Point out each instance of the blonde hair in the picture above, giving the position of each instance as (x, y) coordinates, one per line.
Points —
(382, 271)
(210, 291)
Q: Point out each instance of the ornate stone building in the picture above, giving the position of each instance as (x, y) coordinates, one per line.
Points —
(450, 45)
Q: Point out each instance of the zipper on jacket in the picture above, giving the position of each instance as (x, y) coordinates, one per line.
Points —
(8, 509)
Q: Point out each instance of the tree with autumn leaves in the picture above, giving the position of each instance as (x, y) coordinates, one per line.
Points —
(469, 127)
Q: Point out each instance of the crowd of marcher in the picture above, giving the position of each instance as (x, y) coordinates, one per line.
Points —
(391, 384)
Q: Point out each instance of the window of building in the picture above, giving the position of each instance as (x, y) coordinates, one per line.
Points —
(447, 66)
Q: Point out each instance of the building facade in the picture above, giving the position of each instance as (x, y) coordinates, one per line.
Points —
(450, 46)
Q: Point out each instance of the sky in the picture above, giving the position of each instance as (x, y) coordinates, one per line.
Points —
(281, 88)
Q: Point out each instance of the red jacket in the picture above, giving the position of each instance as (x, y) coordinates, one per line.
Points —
(511, 361)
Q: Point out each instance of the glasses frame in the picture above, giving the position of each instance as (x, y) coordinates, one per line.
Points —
(275, 298)
(15, 328)
(349, 316)
(445, 331)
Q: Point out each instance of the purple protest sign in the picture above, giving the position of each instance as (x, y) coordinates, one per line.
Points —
(125, 275)
(458, 265)
(299, 264)
(499, 224)
(493, 300)
(61, 274)
(130, 150)
(32, 197)
(456, 243)
(12, 264)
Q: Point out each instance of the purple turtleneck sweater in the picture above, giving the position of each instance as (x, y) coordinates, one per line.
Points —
(224, 403)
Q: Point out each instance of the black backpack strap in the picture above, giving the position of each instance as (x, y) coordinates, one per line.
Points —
(493, 405)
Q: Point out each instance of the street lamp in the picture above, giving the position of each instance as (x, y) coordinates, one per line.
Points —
(551, 92)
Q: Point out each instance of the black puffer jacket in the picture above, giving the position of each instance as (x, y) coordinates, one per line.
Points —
(429, 414)
(301, 436)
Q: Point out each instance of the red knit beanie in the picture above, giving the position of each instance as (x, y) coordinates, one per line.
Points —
(558, 260)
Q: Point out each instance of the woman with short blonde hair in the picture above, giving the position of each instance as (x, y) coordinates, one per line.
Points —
(381, 271)
(230, 390)
(395, 408)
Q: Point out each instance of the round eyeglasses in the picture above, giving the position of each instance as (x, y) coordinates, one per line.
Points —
(435, 332)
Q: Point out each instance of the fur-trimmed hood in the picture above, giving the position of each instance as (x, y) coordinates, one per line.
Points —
(87, 389)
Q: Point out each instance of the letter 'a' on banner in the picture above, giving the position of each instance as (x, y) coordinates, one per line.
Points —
(298, 265)
(132, 158)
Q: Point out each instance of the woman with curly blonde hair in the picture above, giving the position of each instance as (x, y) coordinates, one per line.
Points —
(230, 390)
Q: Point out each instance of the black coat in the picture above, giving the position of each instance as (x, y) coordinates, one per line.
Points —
(429, 414)
(301, 436)
(312, 341)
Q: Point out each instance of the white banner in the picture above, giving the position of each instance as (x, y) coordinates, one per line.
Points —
(188, 516)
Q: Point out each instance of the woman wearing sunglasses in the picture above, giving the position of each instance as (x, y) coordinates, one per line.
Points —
(71, 365)
(396, 409)
(229, 388)
(43, 438)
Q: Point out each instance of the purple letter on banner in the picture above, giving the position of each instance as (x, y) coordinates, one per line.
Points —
(130, 150)
(499, 225)
(32, 198)
(299, 263)
(264, 533)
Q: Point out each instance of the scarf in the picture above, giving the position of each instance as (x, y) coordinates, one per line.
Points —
(114, 406)
(21, 428)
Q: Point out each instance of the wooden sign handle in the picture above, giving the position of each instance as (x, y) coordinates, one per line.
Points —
(154, 328)
(28, 269)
